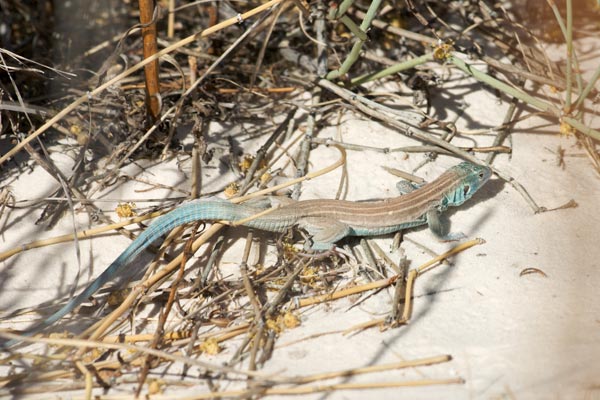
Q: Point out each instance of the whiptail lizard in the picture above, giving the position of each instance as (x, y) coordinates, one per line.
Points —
(325, 221)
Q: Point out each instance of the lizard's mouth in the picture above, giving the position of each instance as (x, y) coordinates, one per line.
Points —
(466, 190)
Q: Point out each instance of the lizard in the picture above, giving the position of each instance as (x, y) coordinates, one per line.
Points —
(326, 221)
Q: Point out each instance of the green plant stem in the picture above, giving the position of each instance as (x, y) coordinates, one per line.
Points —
(586, 130)
(394, 69)
(371, 12)
(355, 52)
(503, 87)
(586, 91)
(569, 54)
(537, 103)
(335, 13)
(353, 28)
(563, 29)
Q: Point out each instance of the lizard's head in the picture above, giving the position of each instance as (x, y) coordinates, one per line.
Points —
(472, 177)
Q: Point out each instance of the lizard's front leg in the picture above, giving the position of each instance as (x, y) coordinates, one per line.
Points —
(439, 228)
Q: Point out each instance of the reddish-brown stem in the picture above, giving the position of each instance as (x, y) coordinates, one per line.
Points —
(150, 48)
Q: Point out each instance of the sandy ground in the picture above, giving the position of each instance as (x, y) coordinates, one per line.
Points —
(534, 336)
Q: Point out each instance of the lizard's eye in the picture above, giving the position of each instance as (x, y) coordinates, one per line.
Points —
(466, 190)
(481, 175)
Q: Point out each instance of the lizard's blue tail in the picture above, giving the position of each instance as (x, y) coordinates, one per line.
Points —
(197, 210)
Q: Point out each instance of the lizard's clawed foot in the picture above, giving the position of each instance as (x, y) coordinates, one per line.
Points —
(453, 237)
(319, 255)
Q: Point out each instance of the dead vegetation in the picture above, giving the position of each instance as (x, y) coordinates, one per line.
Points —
(73, 82)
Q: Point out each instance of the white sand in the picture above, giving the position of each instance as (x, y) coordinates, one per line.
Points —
(510, 336)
